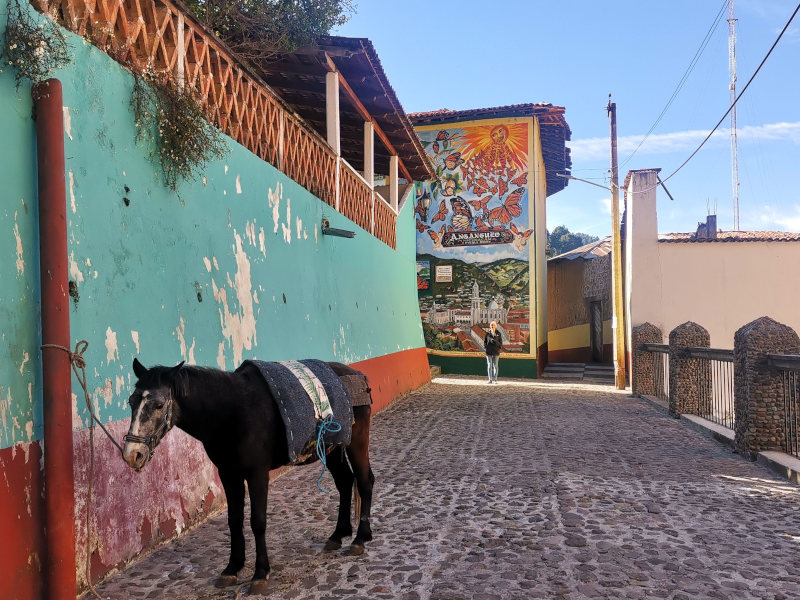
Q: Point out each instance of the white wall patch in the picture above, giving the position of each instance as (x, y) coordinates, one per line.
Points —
(112, 351)
(238, 184)
(207, 263)
(74, 270)
(18, 238)
(287, 227)
(135, 338)
(67, 122)
(275, 203)
(238, 328)
(72, 193)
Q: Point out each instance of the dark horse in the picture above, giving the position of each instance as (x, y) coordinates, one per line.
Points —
(236, 418)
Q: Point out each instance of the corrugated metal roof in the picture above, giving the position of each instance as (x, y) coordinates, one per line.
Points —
(587, 252)
(732, 236)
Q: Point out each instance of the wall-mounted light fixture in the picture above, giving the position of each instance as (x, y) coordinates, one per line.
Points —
(328, 230)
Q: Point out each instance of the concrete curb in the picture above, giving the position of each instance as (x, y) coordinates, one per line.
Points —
(780, 463)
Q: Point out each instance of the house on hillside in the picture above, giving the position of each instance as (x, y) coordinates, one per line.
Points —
(579, 305)
(720, 280)
(481, 234)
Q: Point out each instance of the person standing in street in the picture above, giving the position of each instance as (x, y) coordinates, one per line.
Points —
(492, 344)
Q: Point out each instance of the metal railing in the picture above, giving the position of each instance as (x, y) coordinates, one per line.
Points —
(789, 366)
(661, 368)
(714, 373)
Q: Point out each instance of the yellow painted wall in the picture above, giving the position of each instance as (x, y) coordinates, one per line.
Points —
(577, 336)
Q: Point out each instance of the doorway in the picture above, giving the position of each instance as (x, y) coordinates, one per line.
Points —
(596, 330)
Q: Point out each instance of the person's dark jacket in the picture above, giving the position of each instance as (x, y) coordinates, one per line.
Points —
(493, 343)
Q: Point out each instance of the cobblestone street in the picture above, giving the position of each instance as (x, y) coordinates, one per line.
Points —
(519, 490)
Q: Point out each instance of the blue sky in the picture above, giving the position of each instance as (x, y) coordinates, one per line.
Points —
(458, 55)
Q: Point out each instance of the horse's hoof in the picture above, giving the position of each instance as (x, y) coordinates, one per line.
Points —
(224, 581)
(356, 550)
(331, 545)
(258, 587)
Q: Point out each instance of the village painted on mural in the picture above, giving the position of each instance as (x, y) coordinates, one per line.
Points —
(229, 251)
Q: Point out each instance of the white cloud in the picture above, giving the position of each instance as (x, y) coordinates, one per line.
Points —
(786, 219)
(606, 202)
(679, 141)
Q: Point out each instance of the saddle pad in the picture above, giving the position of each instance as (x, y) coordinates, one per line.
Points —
(297, 408)
(358, 389)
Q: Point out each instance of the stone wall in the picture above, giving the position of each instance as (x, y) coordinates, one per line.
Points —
(758, 390)
(643, 373)
(689, 378)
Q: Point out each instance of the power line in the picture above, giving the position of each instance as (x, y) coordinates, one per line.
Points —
(683, 79)
(727, 112)
(740, 94)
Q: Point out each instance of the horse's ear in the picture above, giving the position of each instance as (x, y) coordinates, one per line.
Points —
(139, 369)
(174, 370)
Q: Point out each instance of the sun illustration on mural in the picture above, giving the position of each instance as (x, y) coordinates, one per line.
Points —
(487, 148)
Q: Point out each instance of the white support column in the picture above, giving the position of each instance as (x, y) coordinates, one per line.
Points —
(332, 111)
(394, 192)
(180, 65)
(281, 134)
(369, 153)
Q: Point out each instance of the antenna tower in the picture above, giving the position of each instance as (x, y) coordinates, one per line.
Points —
(732, 89)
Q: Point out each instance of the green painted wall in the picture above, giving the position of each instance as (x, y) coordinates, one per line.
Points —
(231, 266)
(523, 368)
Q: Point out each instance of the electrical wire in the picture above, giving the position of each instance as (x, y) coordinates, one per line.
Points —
(683, 79)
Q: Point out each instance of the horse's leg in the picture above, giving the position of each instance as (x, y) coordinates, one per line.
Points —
(358, 453)
(258, 484)
(343, 477)
(234, 493)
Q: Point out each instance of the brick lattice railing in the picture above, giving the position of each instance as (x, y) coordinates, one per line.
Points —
(163, 34)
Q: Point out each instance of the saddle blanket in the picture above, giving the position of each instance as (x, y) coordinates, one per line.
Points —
(306, 392)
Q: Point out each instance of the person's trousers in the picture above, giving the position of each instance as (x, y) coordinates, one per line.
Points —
(492, 364)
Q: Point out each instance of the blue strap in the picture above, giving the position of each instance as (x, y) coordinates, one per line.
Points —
(327, 425)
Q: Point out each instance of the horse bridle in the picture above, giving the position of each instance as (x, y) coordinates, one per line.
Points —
(151, 441)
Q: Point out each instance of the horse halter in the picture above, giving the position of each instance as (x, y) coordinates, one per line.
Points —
(151, 441)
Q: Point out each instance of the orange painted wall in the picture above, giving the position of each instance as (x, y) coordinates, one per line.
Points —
(392, 375)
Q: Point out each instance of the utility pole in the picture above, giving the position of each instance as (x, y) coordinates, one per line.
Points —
(732, 88)
(617, 321)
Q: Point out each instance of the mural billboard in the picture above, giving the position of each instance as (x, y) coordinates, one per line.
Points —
(473, 228)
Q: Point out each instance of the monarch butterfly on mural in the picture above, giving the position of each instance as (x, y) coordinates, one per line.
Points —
(509, 209)
(462, 215)
(481, 186)
(422, 226)
(443, 212)
(502, 188)
(453, 161)
(482, 204)
(521, 180)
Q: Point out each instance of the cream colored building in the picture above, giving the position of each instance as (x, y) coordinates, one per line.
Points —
(721, 280)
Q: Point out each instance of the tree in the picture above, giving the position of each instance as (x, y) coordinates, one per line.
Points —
(257, 30)
(562, 240)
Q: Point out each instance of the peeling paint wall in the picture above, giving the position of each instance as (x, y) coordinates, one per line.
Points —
(230, 267)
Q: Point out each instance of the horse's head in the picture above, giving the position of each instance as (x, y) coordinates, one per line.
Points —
(152, 412)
